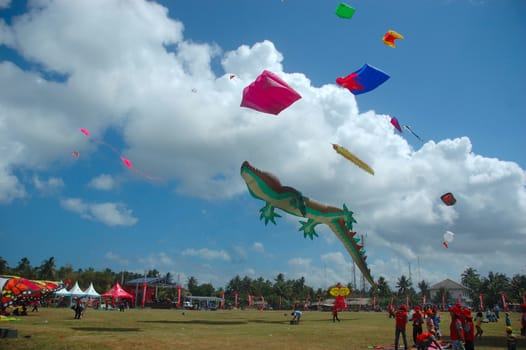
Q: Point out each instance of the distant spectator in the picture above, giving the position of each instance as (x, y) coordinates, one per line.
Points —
(296, 316)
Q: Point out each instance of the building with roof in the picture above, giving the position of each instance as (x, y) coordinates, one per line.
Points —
(457, 292)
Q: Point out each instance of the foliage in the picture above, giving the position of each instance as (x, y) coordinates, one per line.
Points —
(281, 293)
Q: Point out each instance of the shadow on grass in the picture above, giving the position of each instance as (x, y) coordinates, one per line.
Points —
(197, 322)
(105, 329)
(493, 342)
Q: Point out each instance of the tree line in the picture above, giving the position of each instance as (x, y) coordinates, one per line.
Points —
(280, 292)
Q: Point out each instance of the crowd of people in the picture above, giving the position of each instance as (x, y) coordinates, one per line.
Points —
(464, 329)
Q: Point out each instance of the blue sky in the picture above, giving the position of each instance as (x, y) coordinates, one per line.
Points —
(151, 79)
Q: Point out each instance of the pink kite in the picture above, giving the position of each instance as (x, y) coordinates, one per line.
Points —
(395, 123)
(126, 161)
(269, 94)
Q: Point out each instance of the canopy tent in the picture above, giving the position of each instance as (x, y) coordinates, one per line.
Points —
(91, 292)
(117, 292)
(62, 292)
(76, 291)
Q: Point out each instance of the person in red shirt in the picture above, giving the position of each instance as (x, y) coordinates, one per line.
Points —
(469, 330)
(400, 324)
(417, 323)
(424, 341)
(456, 329)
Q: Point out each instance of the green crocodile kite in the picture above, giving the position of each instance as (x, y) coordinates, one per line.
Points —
(268, 188)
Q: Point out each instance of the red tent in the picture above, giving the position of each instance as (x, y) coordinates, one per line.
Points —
(117, 292)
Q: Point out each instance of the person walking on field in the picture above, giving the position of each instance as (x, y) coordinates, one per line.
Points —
(335, 315)
(478, 324)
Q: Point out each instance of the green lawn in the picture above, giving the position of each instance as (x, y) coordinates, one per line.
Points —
(56, 329)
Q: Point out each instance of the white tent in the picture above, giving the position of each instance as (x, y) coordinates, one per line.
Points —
(62, 293)
(76, 291)
(91, 292)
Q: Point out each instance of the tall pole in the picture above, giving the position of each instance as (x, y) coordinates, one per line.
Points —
(363, 277)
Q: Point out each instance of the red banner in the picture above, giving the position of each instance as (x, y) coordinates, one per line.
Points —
(424, 300)
(443, 301)
(235, 299)
(481, 301)
(504, 304)
(179, 296)
(374, 301)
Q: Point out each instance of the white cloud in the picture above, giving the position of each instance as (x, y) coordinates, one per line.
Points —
(111, 214)
(53, 185)
(159, 260)
(5, 4)
(103, 182)
(258, 247)
(116, 258)
(207, 254)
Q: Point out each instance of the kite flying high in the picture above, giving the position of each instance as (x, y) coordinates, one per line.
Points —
(269, 94)
(363, 80)
(265, 186)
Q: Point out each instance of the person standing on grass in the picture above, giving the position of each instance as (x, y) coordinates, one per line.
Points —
(335, 314)
(469, 330)
(400, 326)
(456, 329)
(478, 324)
(417, 323)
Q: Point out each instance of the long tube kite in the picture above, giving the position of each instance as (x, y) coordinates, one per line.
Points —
(265, 186)
(353, 158)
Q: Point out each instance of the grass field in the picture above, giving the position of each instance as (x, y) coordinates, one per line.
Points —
(55, 329)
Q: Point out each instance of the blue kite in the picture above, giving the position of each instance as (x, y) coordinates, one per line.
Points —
(363, 80)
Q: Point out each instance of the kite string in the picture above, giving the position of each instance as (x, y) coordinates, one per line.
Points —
(126, 161)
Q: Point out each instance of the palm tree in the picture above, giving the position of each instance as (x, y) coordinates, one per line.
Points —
(193, 285)
(493, 286)
(404, 285)
(383, 288)
(517, 288)
(471, 279)
(47, 269)
(424, 288)
(3, 266)
(24, 268)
